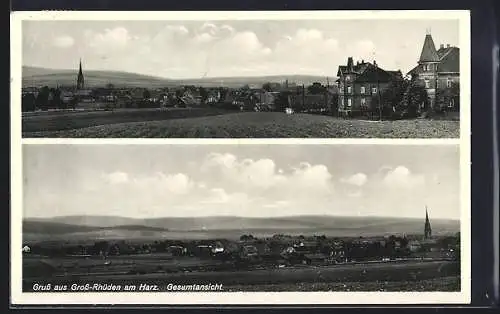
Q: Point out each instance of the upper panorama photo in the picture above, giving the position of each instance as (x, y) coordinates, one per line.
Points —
(256, 78)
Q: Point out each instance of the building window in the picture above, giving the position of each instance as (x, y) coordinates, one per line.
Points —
(349, 89)
(342, 101)
(374, 90)
(426, 83)
(349, 102)
(363, 101)
(341, 89)
(347, 77)
(452, 103)
(448, 83)
(362, 90)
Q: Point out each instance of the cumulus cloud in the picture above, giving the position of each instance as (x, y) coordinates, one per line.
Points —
(401, 177)
(263, 175)
(64, 41)
(358, 179)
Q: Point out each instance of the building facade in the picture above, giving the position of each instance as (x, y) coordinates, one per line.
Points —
(358, 85)
(438, 71)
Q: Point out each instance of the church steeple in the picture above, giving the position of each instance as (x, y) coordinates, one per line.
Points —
(427, 228)
(80, 83)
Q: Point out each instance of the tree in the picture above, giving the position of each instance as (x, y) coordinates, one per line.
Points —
(28, 102)
(146, 94)
(203, 94)
(42, 100)
(246, 237)
(389, 102)
(267, 87)
(316, 88)
(110, 86)
(448, 98)
(414, 100)
(223, 93)
(56, 101)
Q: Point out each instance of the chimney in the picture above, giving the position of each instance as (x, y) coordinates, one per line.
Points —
(374, 63)
(441, 46)
(362, 61)
(349, 64)
(447, 45)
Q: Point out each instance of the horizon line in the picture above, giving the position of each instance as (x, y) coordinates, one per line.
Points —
(250, 217)
(179, 79)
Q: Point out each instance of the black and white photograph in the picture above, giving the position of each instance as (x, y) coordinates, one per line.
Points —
(229, 158)
(100, 218)
(233, 78)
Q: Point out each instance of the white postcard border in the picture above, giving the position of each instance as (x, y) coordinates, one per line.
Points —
(199, 298)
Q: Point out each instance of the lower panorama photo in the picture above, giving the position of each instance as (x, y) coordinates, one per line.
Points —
(159, 218)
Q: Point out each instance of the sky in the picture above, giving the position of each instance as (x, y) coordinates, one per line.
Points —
(195, 49)
(149, 181)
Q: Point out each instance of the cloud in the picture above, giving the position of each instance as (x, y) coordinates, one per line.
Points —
(358, 179)
(64, 41)
(401, 177)
(177, 29)
(167, 183)
(263, 176)
(306, 43)
(172, 183)
(117, 37)
(116, 177)
(220, 196)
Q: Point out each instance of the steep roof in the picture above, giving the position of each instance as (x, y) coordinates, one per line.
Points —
(373, 74)
(357, 68)
(429, 53)
(450, 60)
(367, 72)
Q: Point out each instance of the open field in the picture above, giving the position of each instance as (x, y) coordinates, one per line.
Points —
(444, 284)
(216, 123)
(414, 275)
(54, 122)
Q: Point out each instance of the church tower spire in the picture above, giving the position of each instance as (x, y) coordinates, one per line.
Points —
(427, 228)
(80, 83)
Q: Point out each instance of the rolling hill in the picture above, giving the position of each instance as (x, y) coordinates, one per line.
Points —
(36, 76)
(225, 226)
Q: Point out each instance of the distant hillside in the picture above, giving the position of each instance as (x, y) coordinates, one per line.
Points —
(230, 227)
(49, 227)
(35, 76)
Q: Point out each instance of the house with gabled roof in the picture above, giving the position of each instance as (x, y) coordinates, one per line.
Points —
(359, 83)
(438, 70)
